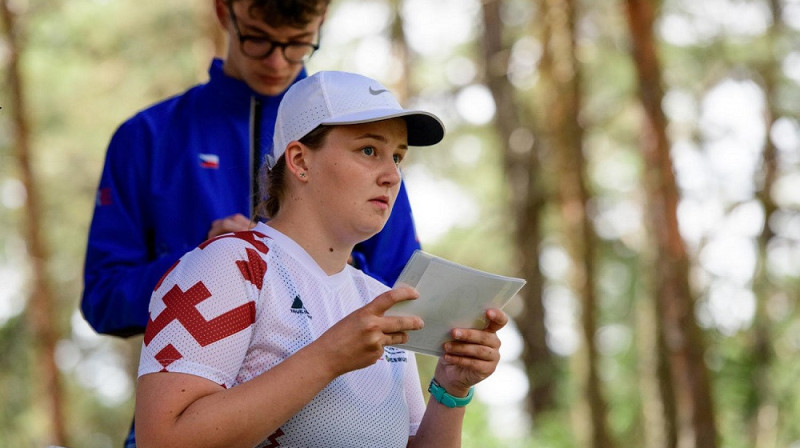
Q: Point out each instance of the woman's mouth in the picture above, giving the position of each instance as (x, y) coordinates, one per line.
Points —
(381, 202)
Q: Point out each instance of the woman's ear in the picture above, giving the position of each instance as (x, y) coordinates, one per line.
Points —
(296, 155)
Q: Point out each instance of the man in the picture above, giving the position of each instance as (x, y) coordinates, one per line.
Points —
(184, 169)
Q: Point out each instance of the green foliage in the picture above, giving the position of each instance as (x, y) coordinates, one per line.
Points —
(475, 434)
(17, 419)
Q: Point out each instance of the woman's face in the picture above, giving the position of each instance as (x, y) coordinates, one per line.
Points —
(354, 178)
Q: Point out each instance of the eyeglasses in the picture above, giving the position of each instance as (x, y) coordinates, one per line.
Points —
(260, 47)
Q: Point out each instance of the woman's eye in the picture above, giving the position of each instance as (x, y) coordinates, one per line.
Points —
(397, 159)
(368, 150)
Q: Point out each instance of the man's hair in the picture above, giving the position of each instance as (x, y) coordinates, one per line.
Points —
(293, 13)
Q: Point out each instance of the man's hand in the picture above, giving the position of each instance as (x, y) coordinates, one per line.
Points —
(233, 223)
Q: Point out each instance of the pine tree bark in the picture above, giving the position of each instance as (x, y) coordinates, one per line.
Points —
(685, 382)
(41, 305)
(522, 169)
(401, 55)
(561, 72)
(764, 431)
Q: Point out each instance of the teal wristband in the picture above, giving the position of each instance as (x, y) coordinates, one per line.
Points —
(439, 394)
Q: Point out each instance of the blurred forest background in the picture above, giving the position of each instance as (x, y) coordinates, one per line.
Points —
(638, 162)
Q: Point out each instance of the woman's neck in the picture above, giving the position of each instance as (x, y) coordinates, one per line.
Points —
(330, 255)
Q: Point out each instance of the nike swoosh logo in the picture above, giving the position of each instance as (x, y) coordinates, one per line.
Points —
(376, 92)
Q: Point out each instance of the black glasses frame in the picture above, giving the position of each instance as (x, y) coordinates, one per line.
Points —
(248, 51)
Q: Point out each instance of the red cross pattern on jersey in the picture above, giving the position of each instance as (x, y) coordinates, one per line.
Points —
(167, 356)
(253, 269)
(273, 439)
(182, 306)
(255, 262)
(249, 236)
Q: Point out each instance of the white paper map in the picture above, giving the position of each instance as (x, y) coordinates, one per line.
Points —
(450, 296)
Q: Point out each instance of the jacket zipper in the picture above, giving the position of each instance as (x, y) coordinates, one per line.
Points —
(255, 145)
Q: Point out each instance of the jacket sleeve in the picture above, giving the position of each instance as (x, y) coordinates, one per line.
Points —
(384, 255)
(122, 266)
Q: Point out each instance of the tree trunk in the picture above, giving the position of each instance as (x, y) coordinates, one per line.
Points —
(560, 71)
(522, 169)
(764, 424)
(401, 55)
(680, 335)
(654, 379)
(41, 306)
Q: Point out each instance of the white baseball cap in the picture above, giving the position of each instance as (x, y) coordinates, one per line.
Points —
(341, 98)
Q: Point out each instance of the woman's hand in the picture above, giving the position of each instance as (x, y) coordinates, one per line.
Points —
(471, 356)
(357, 341)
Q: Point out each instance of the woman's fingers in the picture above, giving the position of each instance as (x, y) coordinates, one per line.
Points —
(396, 338)
(489, 350)
(383, 302)
(393, 324)
(362, 335)
(497, 320)
(479, 344)
(477, 349)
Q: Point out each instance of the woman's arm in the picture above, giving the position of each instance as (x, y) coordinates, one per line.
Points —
(469, 358)
(174, 409)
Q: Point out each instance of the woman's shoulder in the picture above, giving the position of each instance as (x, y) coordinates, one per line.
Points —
(249, 239)
(231, 251)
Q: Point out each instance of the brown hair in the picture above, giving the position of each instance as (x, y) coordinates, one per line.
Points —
(271, 181)
(293, 13)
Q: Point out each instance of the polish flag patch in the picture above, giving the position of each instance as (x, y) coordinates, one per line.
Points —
(210, 161)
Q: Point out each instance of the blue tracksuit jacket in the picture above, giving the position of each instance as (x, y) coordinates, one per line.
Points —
(171, 170)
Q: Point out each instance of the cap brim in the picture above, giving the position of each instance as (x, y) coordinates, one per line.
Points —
(424, 128)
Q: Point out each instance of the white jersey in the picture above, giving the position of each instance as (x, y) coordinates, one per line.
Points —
(241, 303)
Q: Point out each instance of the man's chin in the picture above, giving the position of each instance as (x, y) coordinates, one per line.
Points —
(270, 89)
(269, 86)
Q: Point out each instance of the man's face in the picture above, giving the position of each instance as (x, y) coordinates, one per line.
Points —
(273, 73)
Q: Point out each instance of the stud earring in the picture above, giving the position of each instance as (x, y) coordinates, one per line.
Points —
(303, 175)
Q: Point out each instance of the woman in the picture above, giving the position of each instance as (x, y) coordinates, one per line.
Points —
(269, 337)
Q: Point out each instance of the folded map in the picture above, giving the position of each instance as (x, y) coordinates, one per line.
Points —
(450, 296)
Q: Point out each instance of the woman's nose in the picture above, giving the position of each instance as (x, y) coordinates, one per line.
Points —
(390, 173)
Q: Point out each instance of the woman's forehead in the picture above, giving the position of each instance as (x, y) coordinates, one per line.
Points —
(392, 128)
